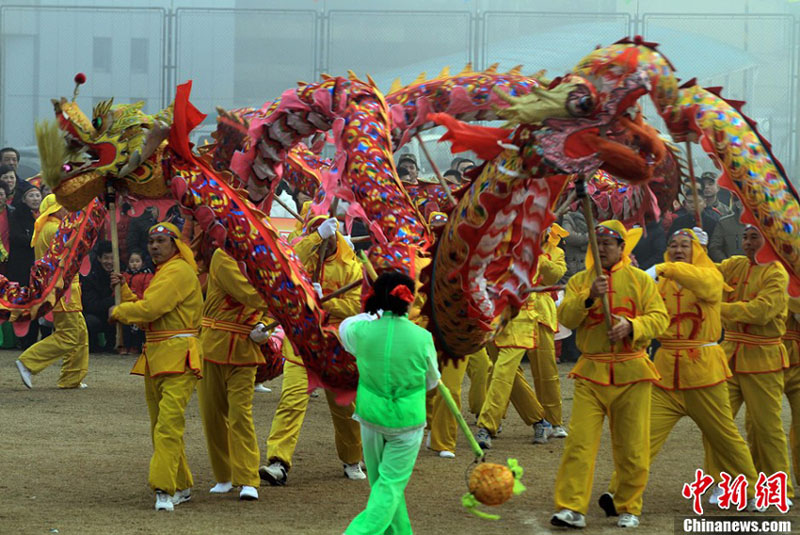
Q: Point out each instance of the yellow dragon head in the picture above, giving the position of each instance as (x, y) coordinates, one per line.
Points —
(120, 143)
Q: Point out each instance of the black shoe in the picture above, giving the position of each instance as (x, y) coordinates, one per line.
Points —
(606, 503)
(274, 474)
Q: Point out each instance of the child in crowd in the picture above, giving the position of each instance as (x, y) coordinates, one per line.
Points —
(138, 277)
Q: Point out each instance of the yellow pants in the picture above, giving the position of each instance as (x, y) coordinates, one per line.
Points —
(291, 412)
(763, 395)
(444, 428)
(167, 397)
(478, 368)
(545, 374)
(524, 399)
(628, 411)
(69, 342)
(710, 409)
(226, 405)
(506, 376)
(791, 387)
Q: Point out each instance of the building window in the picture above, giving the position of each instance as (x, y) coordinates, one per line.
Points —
(140, 51)
(102, 54)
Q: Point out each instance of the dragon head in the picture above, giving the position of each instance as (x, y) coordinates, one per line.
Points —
(79, 155)
(589, 119)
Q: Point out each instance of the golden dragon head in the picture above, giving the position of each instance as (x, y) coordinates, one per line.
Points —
(120, 143)
(590, 119)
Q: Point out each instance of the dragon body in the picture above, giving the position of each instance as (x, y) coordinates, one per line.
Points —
(477, 271)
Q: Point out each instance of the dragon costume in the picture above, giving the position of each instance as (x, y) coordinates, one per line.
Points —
(477, 271)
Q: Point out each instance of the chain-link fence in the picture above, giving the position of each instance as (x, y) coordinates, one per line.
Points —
(41, 49)
(395, 44)
(751, 56)
(245, 57)
(551, 41)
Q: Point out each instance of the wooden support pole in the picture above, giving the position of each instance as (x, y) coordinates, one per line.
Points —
(580, 191)
(435, 168)
(111, 202)
(698, 217)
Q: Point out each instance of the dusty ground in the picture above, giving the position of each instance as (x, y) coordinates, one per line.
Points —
(76, 462)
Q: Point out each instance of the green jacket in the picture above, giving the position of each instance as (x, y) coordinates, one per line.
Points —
(396, 365)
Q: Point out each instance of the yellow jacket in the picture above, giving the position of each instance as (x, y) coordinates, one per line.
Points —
(232, 308)
(339, 269)
(71, 303)
(169, 312)
(632, 294)
(552, 266)
(689, 356)
(791, 340)
(521, 330)
(754, 315)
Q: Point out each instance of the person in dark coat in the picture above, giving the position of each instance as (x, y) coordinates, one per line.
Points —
(137, 233)
(20, 255)
(651, 248)
(98, 297)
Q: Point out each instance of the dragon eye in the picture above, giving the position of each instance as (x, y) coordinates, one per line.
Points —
(580, 103)
(97, 122)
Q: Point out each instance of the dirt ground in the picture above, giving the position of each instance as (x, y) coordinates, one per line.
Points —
(76, 462)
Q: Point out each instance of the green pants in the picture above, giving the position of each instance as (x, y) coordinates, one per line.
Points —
(390, 460)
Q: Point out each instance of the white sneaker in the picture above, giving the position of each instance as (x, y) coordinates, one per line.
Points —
(82, 386)
(568, 518)
(353, 471)
(627, 520)
(261, 388)
(484, 438)
(248, 493)
(558, 432)
(275, 474)
(24, 374)
(221, 488)
(164, 501)
(447, 454)
(715, 496)
(541, 430)
(181, 496)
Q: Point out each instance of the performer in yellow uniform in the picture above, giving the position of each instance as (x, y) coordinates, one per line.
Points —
(70, 339)
(613, 376)
(543, 356)
(754, 319)
(169, 312)
(340, 268)
(692, 364)
(232, 311)
(478, 370)
(791, 379)
(444, 428)
(517, 338)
